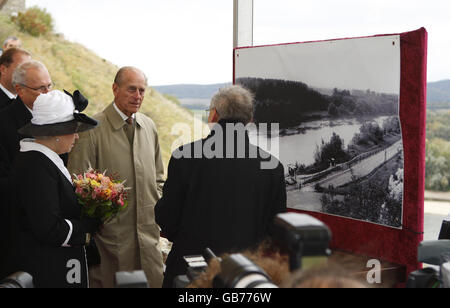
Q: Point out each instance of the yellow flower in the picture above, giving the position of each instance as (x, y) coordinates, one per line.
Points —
(94, 183)
(107, 192)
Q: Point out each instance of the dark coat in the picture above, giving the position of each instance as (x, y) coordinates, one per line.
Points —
(43, 199)
(12, 118)
(225, 204)
(5, 101)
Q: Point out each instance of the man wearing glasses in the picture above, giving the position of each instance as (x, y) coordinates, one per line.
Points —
(29, 79)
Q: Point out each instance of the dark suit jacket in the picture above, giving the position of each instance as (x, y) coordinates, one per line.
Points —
(43, 199)
(225, 204)
(12, 118)
(4, 100)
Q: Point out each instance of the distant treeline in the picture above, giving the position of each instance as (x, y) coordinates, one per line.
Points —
(438, 106)
(290, 102)
(438, 151)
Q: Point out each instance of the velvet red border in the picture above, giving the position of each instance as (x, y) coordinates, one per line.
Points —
(393, 245)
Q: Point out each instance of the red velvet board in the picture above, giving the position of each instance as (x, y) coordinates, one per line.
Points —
(388, 244)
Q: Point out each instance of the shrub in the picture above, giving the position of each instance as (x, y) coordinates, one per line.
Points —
(35, 21)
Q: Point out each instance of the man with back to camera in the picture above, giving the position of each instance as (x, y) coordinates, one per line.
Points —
(9, 60)
(223, 198)
(126, 143)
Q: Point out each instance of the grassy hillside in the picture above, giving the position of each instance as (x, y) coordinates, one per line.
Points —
(73, 66)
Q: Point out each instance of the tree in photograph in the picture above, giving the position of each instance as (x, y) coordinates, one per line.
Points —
(370, 133)
(391, 125)
(330, 153)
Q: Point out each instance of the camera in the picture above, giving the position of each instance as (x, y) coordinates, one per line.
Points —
(240, 272)
(134, 279)
(19, 280)
(444, 234)
(305, 237)
(437, 254)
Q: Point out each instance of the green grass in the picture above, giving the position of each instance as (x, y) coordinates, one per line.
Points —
(74, 67)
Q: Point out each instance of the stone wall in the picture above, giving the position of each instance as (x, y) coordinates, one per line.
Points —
(12, 6)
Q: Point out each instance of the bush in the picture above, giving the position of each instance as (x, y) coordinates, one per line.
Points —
(35, 21)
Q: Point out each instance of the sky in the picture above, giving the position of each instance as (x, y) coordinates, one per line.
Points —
(355, 64)
(191, 41)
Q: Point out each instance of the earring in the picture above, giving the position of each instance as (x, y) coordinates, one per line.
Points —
(57, 139)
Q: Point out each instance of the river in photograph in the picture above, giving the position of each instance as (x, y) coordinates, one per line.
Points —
(301, 143)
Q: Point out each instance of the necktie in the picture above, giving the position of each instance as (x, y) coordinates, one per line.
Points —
(129, 129)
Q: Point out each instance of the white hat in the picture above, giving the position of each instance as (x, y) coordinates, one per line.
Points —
(56, 113)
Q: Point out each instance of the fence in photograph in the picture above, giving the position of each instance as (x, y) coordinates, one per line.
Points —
(344, 167)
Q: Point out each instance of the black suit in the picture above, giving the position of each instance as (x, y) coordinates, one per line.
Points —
(43, 199)
(5, 101)
(226, 204)
(12, 118)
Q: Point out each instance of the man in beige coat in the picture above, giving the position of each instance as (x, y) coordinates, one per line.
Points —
(126, 144)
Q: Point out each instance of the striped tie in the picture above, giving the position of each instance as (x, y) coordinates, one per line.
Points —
(129, 129)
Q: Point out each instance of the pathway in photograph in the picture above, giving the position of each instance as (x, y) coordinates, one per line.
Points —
(306, 197)
(362, 168)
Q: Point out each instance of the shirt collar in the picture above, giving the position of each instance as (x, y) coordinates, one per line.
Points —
(123, 115)
(9, 94)
(28, 144)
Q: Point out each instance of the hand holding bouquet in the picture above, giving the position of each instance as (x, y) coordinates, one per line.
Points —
(100, 196)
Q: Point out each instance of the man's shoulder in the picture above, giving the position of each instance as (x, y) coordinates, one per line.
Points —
(186, 151)
(145, 120)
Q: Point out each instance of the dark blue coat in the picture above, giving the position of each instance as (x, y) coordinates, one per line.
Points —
(43, 198)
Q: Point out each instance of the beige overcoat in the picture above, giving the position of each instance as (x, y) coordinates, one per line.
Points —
(128, 242)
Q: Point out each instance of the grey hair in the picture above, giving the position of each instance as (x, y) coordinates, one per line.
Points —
(233, 102)
(10, 38)
(19, 75)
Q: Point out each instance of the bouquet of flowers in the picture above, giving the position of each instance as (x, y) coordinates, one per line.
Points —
(100, 196)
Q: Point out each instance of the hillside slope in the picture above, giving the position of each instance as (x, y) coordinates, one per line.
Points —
(73, 66)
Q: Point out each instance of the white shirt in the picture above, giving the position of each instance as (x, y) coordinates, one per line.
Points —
(9, 94)
(123, 115)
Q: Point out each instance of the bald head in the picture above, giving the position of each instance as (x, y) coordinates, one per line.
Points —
(126, 72)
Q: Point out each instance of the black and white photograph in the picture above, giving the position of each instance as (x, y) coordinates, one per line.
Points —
(335, 106)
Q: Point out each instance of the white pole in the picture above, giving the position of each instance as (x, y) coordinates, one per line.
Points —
(243, 23)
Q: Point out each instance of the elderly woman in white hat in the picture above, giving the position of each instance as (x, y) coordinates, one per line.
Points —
(49, 236)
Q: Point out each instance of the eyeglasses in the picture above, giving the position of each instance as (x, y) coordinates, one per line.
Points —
(209, 109)
(41, 89)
